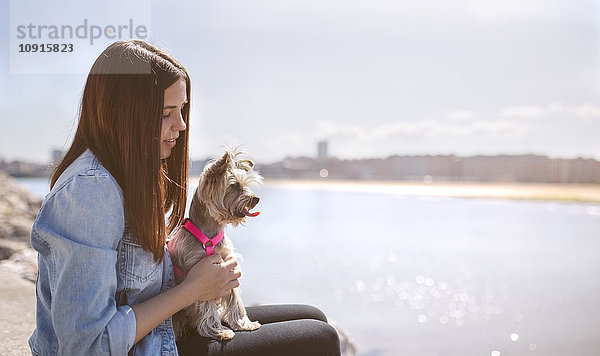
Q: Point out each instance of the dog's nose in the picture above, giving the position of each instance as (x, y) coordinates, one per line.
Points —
(254, 201)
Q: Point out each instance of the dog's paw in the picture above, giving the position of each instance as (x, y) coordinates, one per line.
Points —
(225, 334)
(247, 325)
(253, 325)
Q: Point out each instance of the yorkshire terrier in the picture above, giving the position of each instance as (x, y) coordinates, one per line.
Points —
(224, 196)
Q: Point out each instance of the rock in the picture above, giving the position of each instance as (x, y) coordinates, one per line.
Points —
(19, 258)
(18, 209)
(22, 264)
(6, 252)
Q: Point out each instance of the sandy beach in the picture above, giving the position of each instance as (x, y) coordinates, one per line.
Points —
(516, 191)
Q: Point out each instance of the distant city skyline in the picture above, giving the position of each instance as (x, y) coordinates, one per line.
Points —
(426, 168)
(372, 79)
(320, 153)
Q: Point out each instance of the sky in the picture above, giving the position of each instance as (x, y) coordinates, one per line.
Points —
(373, 78)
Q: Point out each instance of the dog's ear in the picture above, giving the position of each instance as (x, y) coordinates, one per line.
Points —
(246, 165)
(219, 167)
(213, 184)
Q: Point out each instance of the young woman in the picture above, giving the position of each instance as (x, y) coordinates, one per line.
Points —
(105, 280)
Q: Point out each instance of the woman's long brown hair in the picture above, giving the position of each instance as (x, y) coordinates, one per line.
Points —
(120, 121)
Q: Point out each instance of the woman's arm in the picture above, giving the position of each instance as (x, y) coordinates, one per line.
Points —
(209, 279)
(76, 234)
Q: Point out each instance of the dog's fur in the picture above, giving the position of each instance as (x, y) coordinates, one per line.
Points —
(223, 196)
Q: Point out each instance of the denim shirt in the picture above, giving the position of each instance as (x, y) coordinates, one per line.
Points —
(91, 270)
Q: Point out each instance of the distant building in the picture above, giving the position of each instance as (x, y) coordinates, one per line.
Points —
(55, 156)
(440, 168)
(26, 169)
(429, 168)
(322, 151)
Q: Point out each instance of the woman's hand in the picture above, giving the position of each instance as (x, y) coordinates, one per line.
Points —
(209, 279)
(212, 278)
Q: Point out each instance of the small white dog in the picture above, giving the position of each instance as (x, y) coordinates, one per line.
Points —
(223, 196)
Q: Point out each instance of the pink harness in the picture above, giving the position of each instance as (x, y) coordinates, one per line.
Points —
(207, 243)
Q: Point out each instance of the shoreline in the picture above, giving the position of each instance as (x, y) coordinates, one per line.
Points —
(577, 193)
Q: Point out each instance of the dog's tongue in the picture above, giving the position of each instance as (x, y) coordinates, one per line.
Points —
(254, 214)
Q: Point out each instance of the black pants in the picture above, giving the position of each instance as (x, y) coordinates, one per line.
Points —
(286, 330)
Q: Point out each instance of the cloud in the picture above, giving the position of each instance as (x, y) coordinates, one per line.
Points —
(527, 111)
(586, 110)
(554, 128)
(429, 129)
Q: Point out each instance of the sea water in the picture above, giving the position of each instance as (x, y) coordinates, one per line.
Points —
(424, 275)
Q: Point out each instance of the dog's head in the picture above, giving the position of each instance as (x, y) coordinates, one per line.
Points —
(225, 188)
